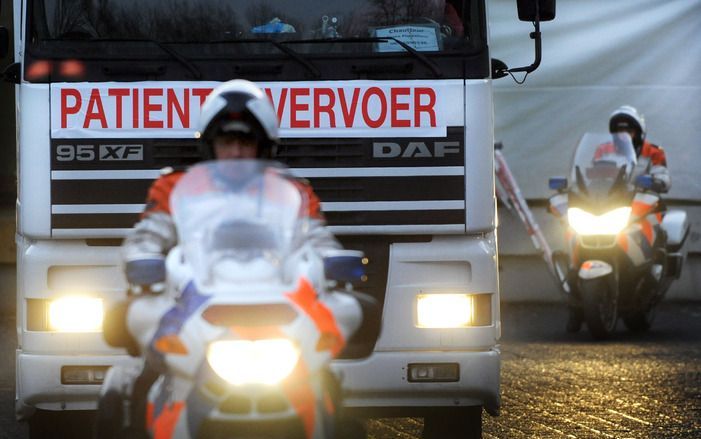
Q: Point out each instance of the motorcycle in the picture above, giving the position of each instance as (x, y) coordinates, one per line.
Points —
(624, 245)
(238, 343)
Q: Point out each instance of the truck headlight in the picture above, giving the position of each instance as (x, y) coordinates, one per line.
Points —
(253, 362)
(76, 314)
(610, 223)
(453, 310)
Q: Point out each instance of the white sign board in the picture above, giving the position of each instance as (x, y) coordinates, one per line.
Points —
(423, 38)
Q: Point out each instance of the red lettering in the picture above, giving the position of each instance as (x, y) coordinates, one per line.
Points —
(324, 108)
(296, 106)
(118, 94)
(424, 108)
(374, 123)
(201, 93)
(280, 106)
(149, 107)
(65, 108)
(399, 106)
(348, 114)
(183, 111)
(135, 108)
(95, 110)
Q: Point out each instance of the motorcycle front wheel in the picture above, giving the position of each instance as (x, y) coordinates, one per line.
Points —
(600, 307)
(640, 320)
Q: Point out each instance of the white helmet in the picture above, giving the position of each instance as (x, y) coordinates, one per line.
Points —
(238, 106)
(626, 118)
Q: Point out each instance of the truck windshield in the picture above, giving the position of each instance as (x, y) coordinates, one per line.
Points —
(425, 25)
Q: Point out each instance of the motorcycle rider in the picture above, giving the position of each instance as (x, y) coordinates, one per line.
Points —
(237, 122)
(627, 119)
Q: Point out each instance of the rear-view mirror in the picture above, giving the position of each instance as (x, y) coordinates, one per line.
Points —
(529, 10)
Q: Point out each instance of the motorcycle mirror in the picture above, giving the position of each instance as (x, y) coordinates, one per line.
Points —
(644, 182)
(557, 183)
(345, 266)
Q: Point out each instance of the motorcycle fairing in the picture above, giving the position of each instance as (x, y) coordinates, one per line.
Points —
(172, 321)
(557, 204)
(644, 203)
(330, 336)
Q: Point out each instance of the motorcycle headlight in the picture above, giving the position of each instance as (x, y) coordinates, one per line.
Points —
(610, 223)
(242, 362)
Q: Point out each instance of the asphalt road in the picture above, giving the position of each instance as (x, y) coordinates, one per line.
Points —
(554, 385)
(558, 385)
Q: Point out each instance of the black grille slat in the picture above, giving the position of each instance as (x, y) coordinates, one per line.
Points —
(367, 218)
(352, 153)
(94, 220)
(101, 191)
(398, 217)
(328, 189)
(390, 188)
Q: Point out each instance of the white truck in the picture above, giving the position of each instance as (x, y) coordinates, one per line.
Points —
(385, 106)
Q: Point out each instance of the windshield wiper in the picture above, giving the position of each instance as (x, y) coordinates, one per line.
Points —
(176, 56)
(164, 48)
(415, 53)
(281, 47)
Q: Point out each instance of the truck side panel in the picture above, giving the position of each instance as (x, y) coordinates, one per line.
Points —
(34, 162)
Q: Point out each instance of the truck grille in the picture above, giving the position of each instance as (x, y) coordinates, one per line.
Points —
(367, 186)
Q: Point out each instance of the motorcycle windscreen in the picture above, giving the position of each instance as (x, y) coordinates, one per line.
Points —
(602, 161)
(237, 220)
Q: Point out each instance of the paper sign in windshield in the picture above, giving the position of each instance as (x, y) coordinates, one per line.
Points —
(423, 38)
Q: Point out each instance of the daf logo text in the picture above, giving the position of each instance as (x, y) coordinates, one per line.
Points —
(385, 150)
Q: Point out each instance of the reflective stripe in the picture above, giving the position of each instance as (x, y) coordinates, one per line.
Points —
(164, 424)
(330, 337)
(298, 390)
(623, 242)
(646, 228)
(640, 208)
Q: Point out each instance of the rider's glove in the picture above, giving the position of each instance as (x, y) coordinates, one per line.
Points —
(658, 185)
(146, 274)
(651, 182)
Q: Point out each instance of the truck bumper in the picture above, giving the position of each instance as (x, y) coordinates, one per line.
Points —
(379, 384)
(39, 382)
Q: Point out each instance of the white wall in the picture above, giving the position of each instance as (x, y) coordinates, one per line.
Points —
(597, 55)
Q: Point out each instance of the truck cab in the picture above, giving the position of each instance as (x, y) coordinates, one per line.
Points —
(385, 107)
